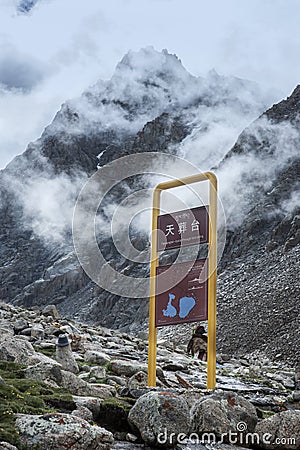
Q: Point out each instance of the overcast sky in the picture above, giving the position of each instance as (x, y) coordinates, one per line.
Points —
(51, 50)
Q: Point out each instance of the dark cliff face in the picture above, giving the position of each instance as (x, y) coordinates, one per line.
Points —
(286, 109)
(271, 146)
(261, 259)
(150, 104)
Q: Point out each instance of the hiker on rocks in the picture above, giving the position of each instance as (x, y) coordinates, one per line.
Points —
(198, 343)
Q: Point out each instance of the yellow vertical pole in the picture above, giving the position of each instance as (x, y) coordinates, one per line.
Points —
(153, 265)
(212, 283)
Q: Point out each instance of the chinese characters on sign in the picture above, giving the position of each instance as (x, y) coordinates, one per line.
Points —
(183, 228)
(186, 300)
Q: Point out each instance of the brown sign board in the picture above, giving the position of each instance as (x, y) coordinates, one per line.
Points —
(187, 300)
(183, 228)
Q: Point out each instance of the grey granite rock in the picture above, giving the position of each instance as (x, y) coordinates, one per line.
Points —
(222, 413)
(51, 310)
(160, 417)
(282, 430)
(92, 403)
(56, 431)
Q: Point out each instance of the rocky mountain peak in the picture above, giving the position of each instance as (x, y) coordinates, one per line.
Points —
(149, 63)
(288, 109)
(148, 81)
(144, 85)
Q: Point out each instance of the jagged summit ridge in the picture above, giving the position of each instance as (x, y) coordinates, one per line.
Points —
(286, 109)
(148, 62)
(144, 85)
(147, 84)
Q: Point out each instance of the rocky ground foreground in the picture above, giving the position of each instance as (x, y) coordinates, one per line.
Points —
(93, 394)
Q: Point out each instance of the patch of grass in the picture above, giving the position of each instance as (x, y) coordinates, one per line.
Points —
(46, 351)
(267, 414)
(108, 368)
(114, 412)
(85, 363)
(102, 380)
(8, 432)
(13, 401)
(10, 369)
(125, 403)
(26, 396)
(61, 401)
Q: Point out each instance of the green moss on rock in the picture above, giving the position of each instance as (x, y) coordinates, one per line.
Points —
(50, 352)
(26, 396)
(9, 369)
(114, 412)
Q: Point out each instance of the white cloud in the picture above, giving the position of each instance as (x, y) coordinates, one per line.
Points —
(80, 42)
(47, 200)
(292, 204)
(244, 178)
(19, 71)
(22, 119)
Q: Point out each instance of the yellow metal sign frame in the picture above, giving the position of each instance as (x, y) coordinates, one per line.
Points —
(212, 274)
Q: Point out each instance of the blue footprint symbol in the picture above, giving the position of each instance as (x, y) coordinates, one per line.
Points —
(186, 304)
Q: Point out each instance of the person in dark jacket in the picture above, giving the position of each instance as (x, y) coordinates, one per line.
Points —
(198, 343)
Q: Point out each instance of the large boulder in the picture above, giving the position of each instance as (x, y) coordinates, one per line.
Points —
(127, 368)
(83, 413)
(138, 384)
(20, 325)
(37, 331)
(222, 414)
(17, 349)
(58, 431)
(51, 310)
(96, 357)
(77, 386)
(44, 371)
(282, 430)
(14, 348)
(160, 417)
(98, 372)
(91, 403)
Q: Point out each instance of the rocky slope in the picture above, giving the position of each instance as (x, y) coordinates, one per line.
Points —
(153, 104)
(264, 250)
(258, 286)
(93, 394)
